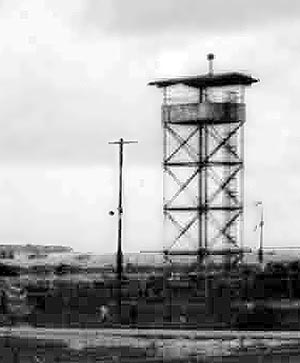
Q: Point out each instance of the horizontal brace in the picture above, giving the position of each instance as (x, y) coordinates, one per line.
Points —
(202, 122)
(203, 209)
(202, 164)
(204, 251)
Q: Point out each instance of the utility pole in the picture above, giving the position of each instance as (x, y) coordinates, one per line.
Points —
(119, 261)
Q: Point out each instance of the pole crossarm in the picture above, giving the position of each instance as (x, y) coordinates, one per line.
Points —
(122, 142)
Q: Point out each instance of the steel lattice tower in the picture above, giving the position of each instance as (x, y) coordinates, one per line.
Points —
(203, 160)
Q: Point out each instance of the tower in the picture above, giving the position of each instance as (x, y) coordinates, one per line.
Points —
(203, 160)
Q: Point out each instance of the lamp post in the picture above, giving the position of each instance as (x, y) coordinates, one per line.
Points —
(261, 227)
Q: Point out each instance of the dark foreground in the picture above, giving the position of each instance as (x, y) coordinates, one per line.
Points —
(243, 297)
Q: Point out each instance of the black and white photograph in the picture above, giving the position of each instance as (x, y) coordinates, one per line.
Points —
(149, 181)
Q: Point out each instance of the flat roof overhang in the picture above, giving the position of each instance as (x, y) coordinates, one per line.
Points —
(208, 80)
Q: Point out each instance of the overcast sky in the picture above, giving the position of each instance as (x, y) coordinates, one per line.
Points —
(74, 76)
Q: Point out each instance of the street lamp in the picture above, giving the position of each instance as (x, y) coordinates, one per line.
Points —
(261, 227)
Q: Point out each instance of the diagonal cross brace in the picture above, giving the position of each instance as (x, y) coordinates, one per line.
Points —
(224, 184)
(185, 141)
(179, 183)
(180, 140)
(218, 180)
(223, 231)
(183, 229)
(223, 142)
(182, 186)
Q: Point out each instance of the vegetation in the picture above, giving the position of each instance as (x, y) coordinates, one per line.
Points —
(69, 296)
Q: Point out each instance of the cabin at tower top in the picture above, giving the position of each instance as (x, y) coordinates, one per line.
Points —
(209, 87)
